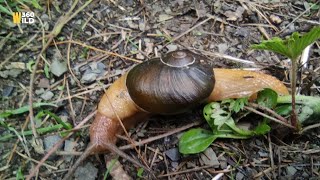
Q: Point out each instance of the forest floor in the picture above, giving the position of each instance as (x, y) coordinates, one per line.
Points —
(105, 39)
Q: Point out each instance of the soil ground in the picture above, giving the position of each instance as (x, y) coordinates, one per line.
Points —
(107, 38)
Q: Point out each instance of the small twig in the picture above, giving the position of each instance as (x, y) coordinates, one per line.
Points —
(99, 50)
(228, 57)
(72, 113)
(269, 117)
(193, 170)
(28, 158)
(161, 135)
(271, 156)
(218, 176)
(307, 128)
(269, 111)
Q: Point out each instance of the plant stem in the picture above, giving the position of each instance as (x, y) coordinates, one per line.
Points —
(294, 68)
(39, 130)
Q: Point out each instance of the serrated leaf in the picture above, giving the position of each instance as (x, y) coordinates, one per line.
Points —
(215, 115)
(291, 47)
(195, 141)
(267, 98)
(239, 104)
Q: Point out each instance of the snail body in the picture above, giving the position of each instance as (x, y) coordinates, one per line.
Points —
(169, 85)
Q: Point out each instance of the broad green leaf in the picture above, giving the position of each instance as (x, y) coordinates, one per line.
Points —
(291, 47)
(267, 98)
(195, 141)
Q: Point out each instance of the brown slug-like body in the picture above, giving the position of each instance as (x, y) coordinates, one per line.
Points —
(169, 85)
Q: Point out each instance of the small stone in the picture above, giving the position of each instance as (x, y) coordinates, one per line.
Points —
(86, 172)
(209, 157)
(164, 17)
(44, 18)
(89, 77)
(275, 19)
(172, 47)
(16, 65)
(173, 154)
(263, 154)
(47, 95)
(50, 141)
(239, 176)
(69, 147)
(223, 162)
(44, 83)
(291, 170)
(223, 47)
(39, 91)
(10, 73)
(58, 68)
(7, 90)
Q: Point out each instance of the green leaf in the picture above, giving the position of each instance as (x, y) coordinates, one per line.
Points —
(140, 172)
(307, 108)
(291, 47)
(46, 71)
(19, 175)
(215, 115)
(5, 10)
(262, 128)
(267, 98)
(195, 141)
(30, 64)
(239, 104)
(23, 109)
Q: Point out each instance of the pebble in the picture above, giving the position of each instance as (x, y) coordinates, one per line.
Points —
(86, 172)
(173, 154)
(171, 47)
(44, 83)
(223, 47)
(58, 68)
(239, 176)
(47, 95)
(209, 158)
(291, 170)
(50, 141)
(7, 91)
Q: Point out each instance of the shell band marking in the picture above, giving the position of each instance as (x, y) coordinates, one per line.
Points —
(194, 59)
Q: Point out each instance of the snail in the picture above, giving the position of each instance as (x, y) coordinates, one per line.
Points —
(171, 84)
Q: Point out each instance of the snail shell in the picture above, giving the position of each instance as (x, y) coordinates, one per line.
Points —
(172, 84)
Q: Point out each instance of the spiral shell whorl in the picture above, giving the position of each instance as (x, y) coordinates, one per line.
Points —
(170, 85)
